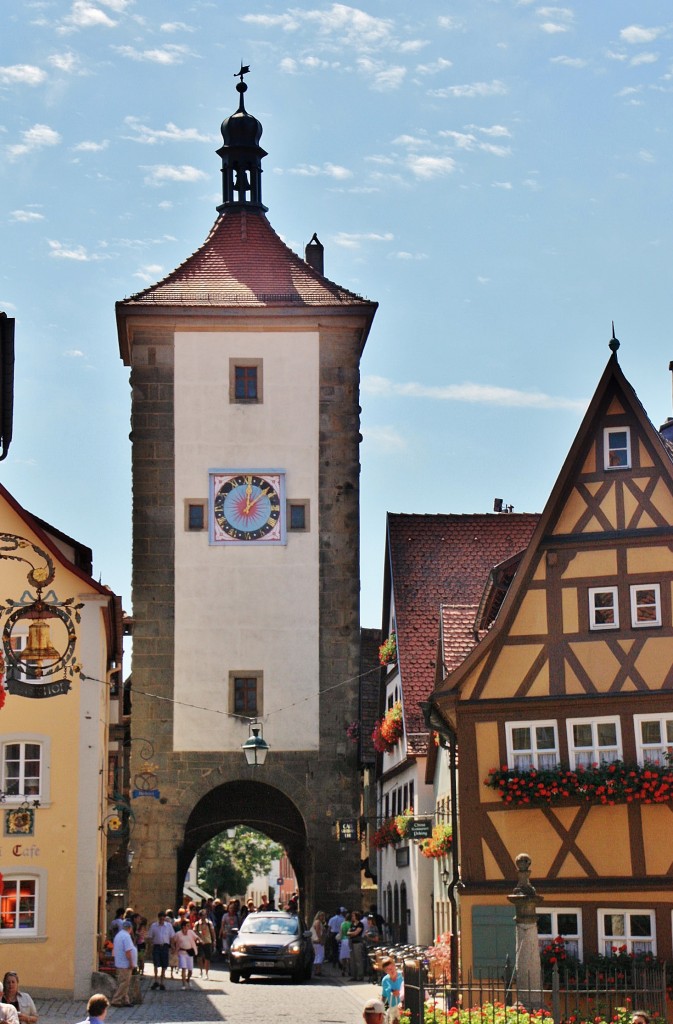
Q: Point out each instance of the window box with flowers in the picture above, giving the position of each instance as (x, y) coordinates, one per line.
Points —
(614, 783)
(440, 843)
(392, 830)
(388, 650)
(389, 729)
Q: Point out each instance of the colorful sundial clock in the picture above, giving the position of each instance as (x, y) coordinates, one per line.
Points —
(247, 506)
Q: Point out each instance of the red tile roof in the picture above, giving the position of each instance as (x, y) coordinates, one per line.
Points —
(243, 262)
(442, 562)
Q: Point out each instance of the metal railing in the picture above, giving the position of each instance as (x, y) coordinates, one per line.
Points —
(567, 996)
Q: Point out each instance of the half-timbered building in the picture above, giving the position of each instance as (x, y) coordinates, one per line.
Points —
(564, 710)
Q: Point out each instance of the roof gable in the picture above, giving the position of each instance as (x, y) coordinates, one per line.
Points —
(592, 504)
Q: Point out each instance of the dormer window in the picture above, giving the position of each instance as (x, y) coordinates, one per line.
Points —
(617, 447)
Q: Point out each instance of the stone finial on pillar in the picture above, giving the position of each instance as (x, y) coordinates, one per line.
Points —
(524, 899)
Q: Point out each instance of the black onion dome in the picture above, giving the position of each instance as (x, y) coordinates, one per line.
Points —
(241, 158)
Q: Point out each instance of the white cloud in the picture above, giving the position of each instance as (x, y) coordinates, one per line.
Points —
(383, 77)
(646, 156)
(91, 147)
(426, 167)
(494, 88)
(150, 272)
(22, 74)
(76, 253)
(74, 353)
(287, 22)
(161, 173)
(353, 27)
(354, 241)
(447, 22)
(26, 216)
(37, 137)
(569, 62)
(496, 131)
(483, 394)
(314, 171)
(553, 27)
(403, 255)
(411, 45)
(175, 26)
(643, 58)
(288, 66)
(564, 13)
(170, 133)
(171, 53)
(505, 185)
(441, 64)
(64, 62)
(637, 34)
(384, 438)
(85, 15)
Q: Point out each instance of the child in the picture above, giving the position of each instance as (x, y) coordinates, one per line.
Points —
(392, 989)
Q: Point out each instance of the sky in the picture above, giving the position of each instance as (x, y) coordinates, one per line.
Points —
(494, 173)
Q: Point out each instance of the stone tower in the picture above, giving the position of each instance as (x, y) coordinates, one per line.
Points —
(245, 431)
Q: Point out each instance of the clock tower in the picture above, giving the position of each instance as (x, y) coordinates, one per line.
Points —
(245, 432)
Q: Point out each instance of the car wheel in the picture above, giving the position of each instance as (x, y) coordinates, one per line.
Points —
(234, 977)
(298, 977)
(246, 975)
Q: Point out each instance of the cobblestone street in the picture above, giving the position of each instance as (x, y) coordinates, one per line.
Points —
(329, 999)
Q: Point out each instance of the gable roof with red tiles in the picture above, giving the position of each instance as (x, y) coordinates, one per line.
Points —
(243, 262)
(439, 564)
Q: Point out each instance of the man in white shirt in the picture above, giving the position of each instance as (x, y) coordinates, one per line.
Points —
(8, 1014)
(125, 958)
(160, 935)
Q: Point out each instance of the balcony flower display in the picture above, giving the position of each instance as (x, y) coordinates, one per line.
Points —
(403, 822)
(440, 843)
(388, 650)
(389, 729)
(386, 834)
(615, 783)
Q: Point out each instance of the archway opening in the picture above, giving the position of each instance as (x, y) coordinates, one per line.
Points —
(250, 808)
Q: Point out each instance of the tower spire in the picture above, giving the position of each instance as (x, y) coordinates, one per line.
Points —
(241, 156)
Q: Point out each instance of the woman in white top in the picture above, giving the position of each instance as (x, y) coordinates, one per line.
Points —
(21, 1001)
(185, 942)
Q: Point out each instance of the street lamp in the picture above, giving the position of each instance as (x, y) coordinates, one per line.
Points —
(255, 747)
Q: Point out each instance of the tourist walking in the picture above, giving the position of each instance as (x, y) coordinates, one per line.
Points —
(21, 1001)
(206, 934)
(160, 935)
(186, 944)
(318, 936)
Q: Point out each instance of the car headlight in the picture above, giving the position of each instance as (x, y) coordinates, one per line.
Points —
(293, 948)
(239, 949)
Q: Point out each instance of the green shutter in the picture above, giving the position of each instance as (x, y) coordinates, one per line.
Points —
(493, 938)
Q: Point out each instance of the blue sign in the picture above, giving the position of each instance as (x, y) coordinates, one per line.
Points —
(145, 792)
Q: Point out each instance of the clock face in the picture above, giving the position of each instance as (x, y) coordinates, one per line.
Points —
(247, 507)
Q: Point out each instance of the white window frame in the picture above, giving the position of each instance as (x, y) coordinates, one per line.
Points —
(593, 591)
(533, 752)
(17, 878)
(649, 623)
(44, 795)
(607, 433)
(643, 749)
(627, 939)
(544, 938)
(595, 749)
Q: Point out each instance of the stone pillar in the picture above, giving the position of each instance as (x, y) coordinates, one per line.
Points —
(524, 899)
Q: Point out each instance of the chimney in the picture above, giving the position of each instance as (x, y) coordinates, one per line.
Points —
(666, 429)
(314, 254)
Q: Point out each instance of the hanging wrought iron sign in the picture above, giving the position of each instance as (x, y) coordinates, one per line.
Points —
(144, 781)
(39, 634)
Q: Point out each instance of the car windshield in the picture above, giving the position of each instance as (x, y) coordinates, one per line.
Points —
(271, 925)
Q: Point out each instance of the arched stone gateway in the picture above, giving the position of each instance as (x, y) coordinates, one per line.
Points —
(256, 805)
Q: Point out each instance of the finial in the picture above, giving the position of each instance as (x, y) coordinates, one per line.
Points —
(614, 342)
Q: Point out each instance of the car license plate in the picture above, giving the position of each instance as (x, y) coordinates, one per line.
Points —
(262, 963)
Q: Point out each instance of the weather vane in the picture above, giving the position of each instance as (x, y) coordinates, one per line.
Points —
(245, 70)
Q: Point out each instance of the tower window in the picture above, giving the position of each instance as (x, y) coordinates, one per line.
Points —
(298, 516)
(195, 514)
(245, 381)
(245, 693)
